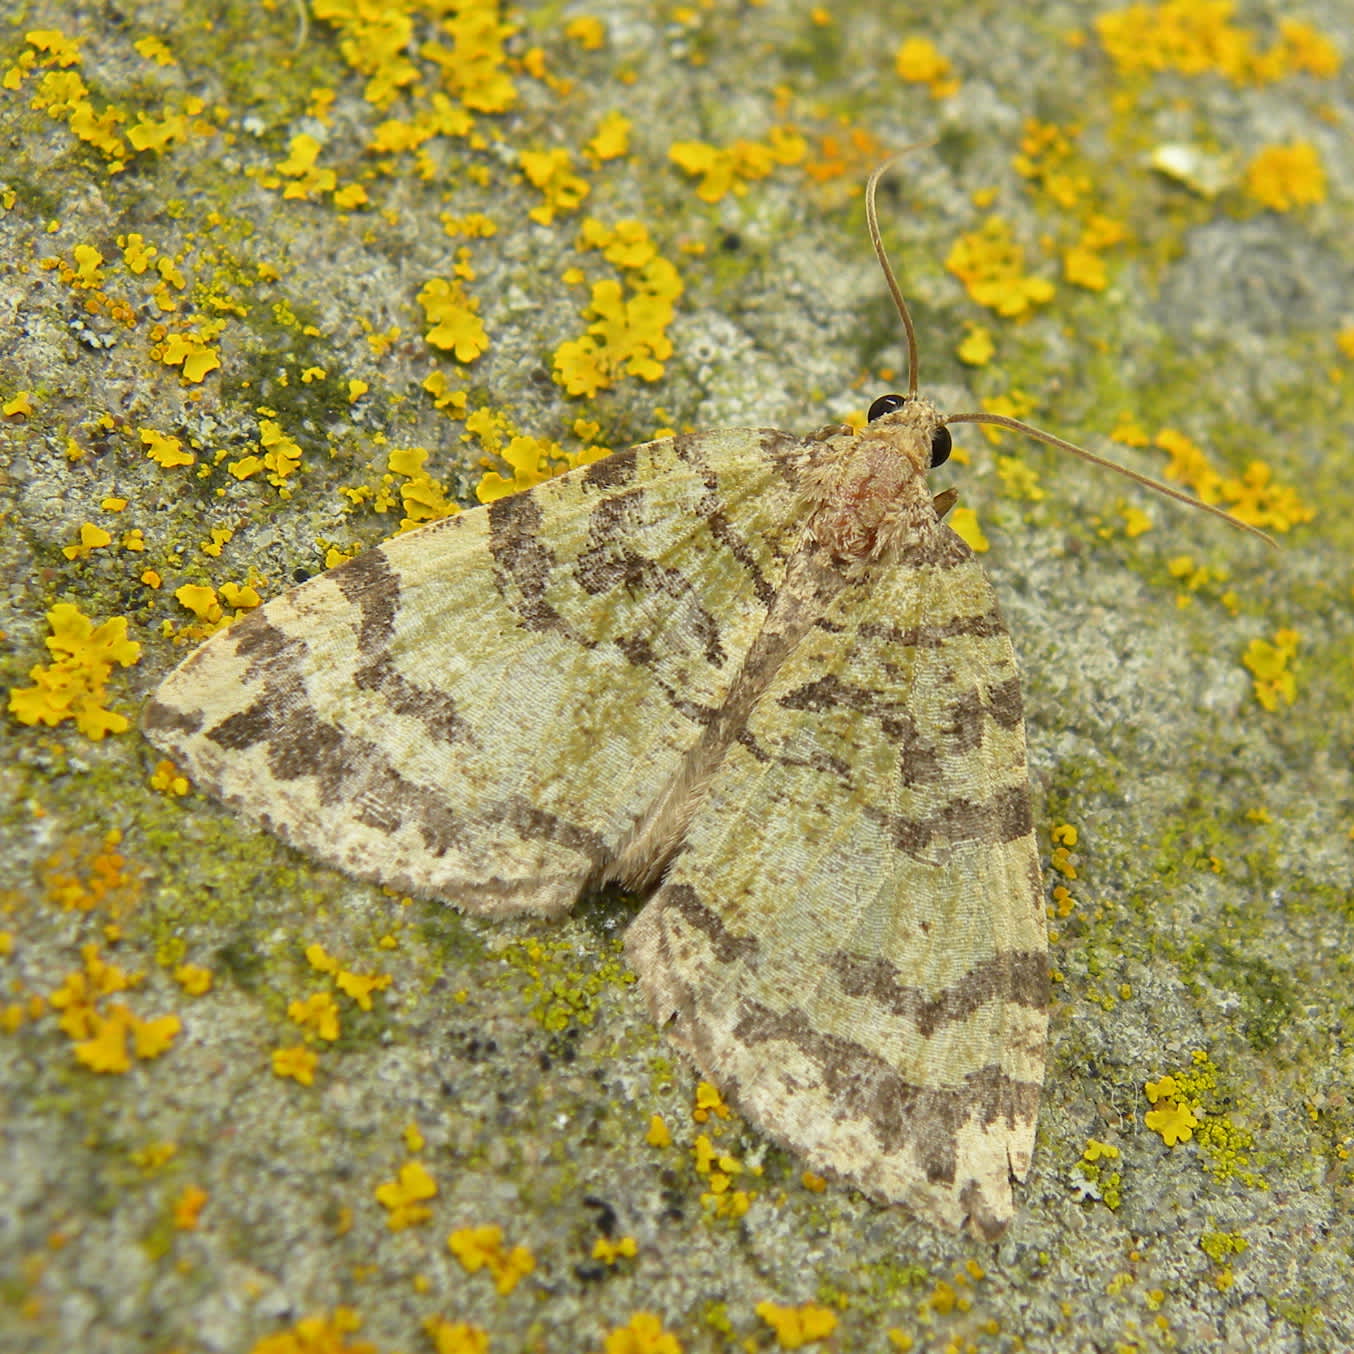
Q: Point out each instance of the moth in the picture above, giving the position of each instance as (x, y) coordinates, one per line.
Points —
(750, 674)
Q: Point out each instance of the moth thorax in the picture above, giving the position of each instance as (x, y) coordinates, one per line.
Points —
(878, 491)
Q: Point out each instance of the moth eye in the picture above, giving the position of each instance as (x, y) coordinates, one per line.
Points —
(885, 404)
(940, 446)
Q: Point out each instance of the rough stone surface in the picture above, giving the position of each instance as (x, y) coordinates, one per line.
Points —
(1210, 929)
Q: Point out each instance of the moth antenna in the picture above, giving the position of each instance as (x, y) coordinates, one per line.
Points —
(872, 223)
(302, 24)
(1001, 421)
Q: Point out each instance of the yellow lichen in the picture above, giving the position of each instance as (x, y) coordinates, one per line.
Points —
(318, 1334)
(991, 265)
(1284, 177)
(552, 172)
(731, 168)
(297, 1062)
(480, 1248)
(1269, 662)
(74, 686)
(404, 1198)
(642, 1334)
(1196, 37)
(318, 1013)
(609, 1252)
(919, 63)
(164, 449)
(796, 1327)
(456, 326)
(456, 1337)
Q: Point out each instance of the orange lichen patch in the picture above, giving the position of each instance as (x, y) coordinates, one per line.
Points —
(1048, 158)
(964, 523)
(74, 686)
(1084, 262)
(454, 317)
(480, 1248)
(1268, 660)
(275, 452)
(1189, 464)
(588, 31)
(59, 49)
(106, 1048)
(991, 265)
(357, 986)
(1257, 499)
(318, 958)
(1197, 37)
(976, 348)
(241, 596)
(281, 454)
(474, 67)
(62, 94)
(318, 1334)
(173, 127)
(845, 159)
(721, 1170)
(360, 986)
(730, 169)
(919, 63)
(188, 1208)
(154, 1156)
(80, 879)
(1284, 177)
(18, 406)
(155, 50)
(201, 601)
(404, 1198)
(1020, 479)
(657, 1134)
(642, 1334)
(168, 780)
(375, 41)
(796, 1327)
(456, 1337)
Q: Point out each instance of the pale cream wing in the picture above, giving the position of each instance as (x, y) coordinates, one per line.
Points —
(480, 710)
(851, 943)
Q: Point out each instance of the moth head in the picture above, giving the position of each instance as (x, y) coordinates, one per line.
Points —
(941, 443)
